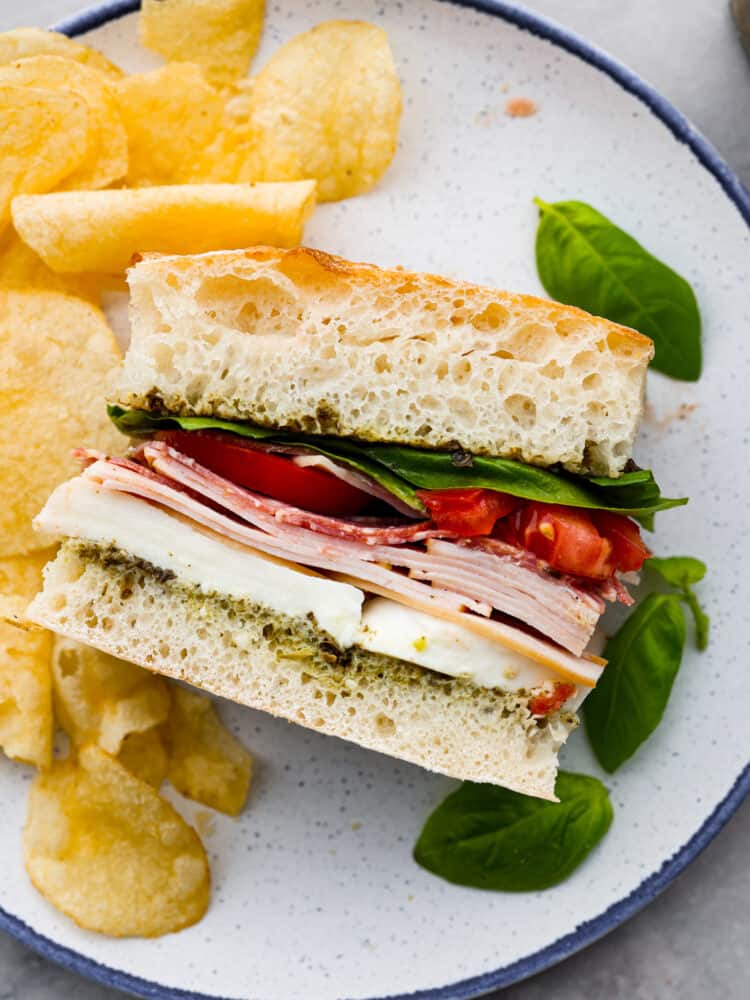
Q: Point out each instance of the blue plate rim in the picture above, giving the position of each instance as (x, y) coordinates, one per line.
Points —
(591, 930)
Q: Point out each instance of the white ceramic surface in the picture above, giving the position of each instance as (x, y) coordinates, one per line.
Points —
(316, 894)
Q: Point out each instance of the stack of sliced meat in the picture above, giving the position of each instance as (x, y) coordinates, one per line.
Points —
(414, 562)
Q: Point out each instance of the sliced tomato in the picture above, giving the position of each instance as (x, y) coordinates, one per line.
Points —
(592, 544)
(544, 704)
(566, 538)
(467, 512)
(275, 475)
(628, 548)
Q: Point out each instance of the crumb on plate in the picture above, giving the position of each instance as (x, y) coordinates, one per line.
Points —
(520, 107)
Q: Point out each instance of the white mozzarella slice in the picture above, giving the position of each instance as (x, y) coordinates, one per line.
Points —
(447, 647)
(80, 509)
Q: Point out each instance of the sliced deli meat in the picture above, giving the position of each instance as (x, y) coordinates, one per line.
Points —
(103, 477)
(446, 576)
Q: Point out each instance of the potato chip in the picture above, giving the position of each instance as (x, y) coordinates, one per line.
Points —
(106, 282)
(143, 754)
(13, 610)
(26, 724)
(240, 150)
(332, 96)
(106, 158)
(23, 42)
(107, 851)
(171, 115)
(101, 230)
(22, 269)
(204, 822)
(100, 699)
(23, 577)
(43, 139)
(221, 35)
(57, 355)
(206, 762)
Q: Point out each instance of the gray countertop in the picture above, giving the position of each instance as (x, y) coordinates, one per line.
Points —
(692, 942)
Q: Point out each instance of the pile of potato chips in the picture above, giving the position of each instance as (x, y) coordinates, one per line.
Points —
(96, 166)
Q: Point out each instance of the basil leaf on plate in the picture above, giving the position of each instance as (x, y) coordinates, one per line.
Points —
(682, 572)
(403, 470)
(585, 260)
(629, 699)
(491, 838)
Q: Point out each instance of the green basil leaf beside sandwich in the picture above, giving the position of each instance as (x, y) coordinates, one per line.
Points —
(403, 470)
(585, 260)
(682, 572)
(487, 837)
(629, 699)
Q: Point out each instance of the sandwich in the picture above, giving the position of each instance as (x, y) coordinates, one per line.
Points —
(384, 505)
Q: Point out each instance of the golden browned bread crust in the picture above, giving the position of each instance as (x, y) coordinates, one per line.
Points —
(300, 262)
(306, 341)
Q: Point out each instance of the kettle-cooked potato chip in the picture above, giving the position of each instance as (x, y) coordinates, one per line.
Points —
(106, 158)
(100, 699)
(57, 354)
(206, 762)
(332, 96)
(43, 139)
(240, 150)
(221, 35)
(106, 850)
(143, 754)
(13, 611)
(23, 42)
(171, 115)
(25, 680)
(23, 270)
(101, 230)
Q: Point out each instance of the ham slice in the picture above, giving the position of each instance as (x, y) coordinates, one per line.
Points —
(284, 542)
(442, 573)
(612, 589)
(360, 531)
(336, 556)
(557, 609)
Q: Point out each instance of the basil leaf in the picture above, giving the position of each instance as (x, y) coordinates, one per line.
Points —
(345, 454)
(631, 489)
(139, 423)
(682, 572)
(402, 469)
(700, 619)
(645, 520)
(585, 260)
(491, 838)
(635, 493)
(629, 699)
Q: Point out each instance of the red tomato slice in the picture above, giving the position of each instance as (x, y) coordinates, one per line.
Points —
(567, 539)
(544, 704)
(275, 475)
(628, 548)
(467, 512)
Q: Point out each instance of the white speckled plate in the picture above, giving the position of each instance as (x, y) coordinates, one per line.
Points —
(316, 894)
